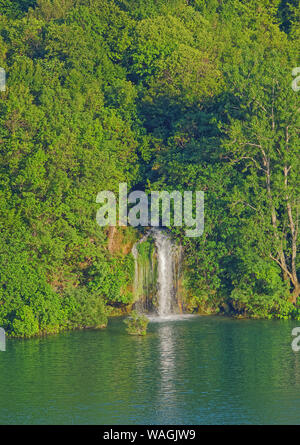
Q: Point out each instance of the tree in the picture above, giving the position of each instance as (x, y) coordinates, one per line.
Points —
(262, 144)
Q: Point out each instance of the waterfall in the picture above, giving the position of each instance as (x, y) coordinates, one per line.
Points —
(165, 277)
(157, 263)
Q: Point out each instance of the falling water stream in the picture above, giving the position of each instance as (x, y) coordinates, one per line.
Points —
(165, 276)
(157, 274)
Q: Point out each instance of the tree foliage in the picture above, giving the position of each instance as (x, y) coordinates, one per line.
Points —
(162, 95)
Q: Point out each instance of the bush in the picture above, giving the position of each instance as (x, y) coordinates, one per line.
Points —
(136, 324)
(25, 323)
(85, 309)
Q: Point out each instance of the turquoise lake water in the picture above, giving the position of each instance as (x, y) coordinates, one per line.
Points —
(199, 370)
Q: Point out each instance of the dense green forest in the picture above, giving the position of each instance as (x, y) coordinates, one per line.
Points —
(163, 95)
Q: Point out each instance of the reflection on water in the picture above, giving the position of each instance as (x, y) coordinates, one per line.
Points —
(167, 362)
(194, 370)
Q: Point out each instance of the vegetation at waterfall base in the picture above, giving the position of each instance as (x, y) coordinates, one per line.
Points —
(136, 324)
(162, 95)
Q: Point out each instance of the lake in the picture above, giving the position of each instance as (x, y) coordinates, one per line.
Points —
(193, 370)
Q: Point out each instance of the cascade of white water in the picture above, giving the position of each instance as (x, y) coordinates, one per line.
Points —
(157, 274)
(165, 278)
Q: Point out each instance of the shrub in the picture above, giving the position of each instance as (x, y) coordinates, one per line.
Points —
(136, 324)
(25, 323)
(85, 309)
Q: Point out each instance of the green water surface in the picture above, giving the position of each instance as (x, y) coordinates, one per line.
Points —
(200, 370)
